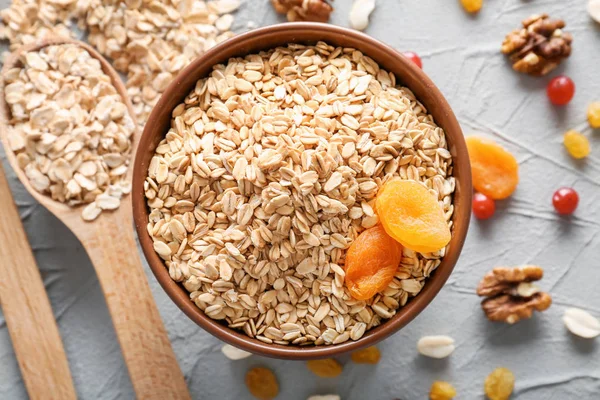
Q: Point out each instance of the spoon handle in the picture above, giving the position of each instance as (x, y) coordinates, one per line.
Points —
(152, 365)
(27, 310)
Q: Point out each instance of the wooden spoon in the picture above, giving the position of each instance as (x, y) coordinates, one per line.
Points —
(26, 308)
(111, 246)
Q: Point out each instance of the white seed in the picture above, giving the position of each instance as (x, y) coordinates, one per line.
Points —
(233, 353)
(359, 14)
(436, 346)
(594, 10)
(581, 323)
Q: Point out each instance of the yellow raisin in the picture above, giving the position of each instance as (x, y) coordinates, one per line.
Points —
(327, 368)
(370, 355)
(441, 391)
(499, 384)
(262, 384)
(576, 144)
(472, 6)
(593, 114)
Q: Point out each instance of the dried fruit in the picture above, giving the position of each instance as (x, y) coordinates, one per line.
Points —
(233, 353)
(565, 201)
(594, 10)
(412, 215)
(483, 206)
(414, 57)
(539, 47)
(436, 346)
(359, 13)
(303, 10)
(499, 384)
(472, 6)
(327, 368)
(581, 323)
(495, 170)
(560, 90)
(593, 114)
(371, 262)
(370, 355)
(262, 383)
(576, 144)
(510, 294)
(441, 391)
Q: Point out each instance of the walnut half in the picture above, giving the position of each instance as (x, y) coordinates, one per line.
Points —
(539, 46)
(510, 295)
(303, 10)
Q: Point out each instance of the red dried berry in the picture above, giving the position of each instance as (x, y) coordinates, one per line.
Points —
(560, 90)
(414, 57)
(483, 206)
(565, 201)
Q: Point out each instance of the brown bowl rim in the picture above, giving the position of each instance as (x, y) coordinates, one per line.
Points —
(431, 97)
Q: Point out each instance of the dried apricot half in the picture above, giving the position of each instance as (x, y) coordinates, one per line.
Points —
(371, 262)
(412, 215)
(495, 171)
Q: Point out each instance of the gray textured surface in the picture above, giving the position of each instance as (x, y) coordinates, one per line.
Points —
(460, 53)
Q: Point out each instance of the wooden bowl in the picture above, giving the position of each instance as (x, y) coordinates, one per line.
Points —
(308, 33)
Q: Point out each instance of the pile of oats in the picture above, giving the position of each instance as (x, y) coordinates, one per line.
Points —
(266, 177)
(148, 40)
(27, 21)
(69, 128)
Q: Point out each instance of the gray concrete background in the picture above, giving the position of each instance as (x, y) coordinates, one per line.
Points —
(461, 54)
